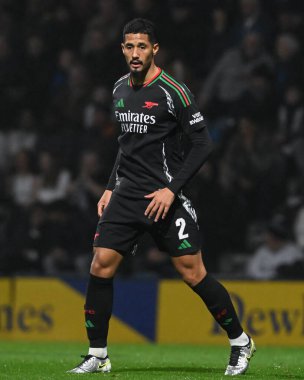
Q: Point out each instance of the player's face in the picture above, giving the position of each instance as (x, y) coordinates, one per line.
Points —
(139, 52)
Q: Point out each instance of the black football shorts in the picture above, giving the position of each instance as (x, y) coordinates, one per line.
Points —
(123, 221)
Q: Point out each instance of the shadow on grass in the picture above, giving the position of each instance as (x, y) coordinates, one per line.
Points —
(215, 371)
(171, 369)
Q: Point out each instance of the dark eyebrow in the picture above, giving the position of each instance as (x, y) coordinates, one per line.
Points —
(138, 44)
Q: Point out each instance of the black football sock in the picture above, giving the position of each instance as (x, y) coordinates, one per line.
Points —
(219, 303)
(98, 309)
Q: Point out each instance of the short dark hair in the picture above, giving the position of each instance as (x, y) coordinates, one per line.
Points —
(141, 25)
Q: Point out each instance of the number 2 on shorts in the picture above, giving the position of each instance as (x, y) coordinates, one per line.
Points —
(180, 222)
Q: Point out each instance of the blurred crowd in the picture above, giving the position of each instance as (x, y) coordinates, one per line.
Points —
(243, 60)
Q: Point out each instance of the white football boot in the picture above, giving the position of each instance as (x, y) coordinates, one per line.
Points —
(239, 358)
(91, 364)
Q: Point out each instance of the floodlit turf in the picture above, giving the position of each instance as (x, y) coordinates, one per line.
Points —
(35, 361)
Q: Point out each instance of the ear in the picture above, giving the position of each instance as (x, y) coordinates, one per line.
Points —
(122, 46)
(155, 49)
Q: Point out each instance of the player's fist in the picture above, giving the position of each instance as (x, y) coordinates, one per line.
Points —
(103, 201)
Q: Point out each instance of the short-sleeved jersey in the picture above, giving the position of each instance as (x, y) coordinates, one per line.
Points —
(152, 119)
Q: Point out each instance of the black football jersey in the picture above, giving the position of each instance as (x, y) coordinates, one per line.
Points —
(152, 119)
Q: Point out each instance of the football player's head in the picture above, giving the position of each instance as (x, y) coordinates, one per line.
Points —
(139, 45)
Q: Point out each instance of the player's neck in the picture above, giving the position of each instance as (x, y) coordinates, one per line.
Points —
(139, 79)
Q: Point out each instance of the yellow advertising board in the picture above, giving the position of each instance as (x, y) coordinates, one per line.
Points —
(39, 309)
(51, 310)
(272, 312)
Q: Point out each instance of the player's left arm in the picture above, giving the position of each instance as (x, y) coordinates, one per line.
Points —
(192, 122)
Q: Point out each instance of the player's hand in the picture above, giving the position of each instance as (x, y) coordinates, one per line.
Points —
(161, 200)
(103, 201)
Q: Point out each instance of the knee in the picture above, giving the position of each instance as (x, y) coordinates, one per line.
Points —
(191, 274)
(193, 277)
(102, 265)
(99, 269)
(191, 268)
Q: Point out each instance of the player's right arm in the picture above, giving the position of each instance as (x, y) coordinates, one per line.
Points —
(103, 201)
(106, 196)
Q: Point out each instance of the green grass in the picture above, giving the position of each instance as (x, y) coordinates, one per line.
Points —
(34, 361)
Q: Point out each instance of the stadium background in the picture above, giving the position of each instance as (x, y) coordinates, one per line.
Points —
(243, 60)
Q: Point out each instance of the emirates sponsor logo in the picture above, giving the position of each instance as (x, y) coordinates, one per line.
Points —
(134, 117)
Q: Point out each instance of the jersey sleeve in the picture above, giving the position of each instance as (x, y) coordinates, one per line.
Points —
(201, 148)
(188, 115)
(112, 180)
(192, 123)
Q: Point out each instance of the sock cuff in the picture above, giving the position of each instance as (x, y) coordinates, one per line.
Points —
(101, 280)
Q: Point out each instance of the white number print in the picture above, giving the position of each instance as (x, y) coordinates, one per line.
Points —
(180, 222)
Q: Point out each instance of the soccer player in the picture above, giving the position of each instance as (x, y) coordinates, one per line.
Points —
(145, 193)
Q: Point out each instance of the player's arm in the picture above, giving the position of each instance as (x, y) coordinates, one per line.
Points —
(192, 123)
(201, 148)
(162, 199)
(106, 196)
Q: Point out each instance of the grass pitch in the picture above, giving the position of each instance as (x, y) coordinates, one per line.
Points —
(33, 361)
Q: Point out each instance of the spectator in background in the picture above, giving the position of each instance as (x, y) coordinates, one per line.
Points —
(9, 81)
(149, 9)
(158, 262)
(181, 14)
(24, 135)
(289, 19)
(59, 26)
(37, 68)
(179, 70)
(253, 171)
(109, 18)
(98, 56)
(257, 100)
(242, 161)
(218, 40)
(100, 98)
(229, 79)
(53, 182)
(288, 63)
(63, 238)
(22, 183)
(68, 104)
(57, 262)
(25, 240)
(291, 127)
(89, 183)
(100, 135)
(278, 256)
(252, 19)
(65, 61)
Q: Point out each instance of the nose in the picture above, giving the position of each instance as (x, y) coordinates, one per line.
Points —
(135, 53)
